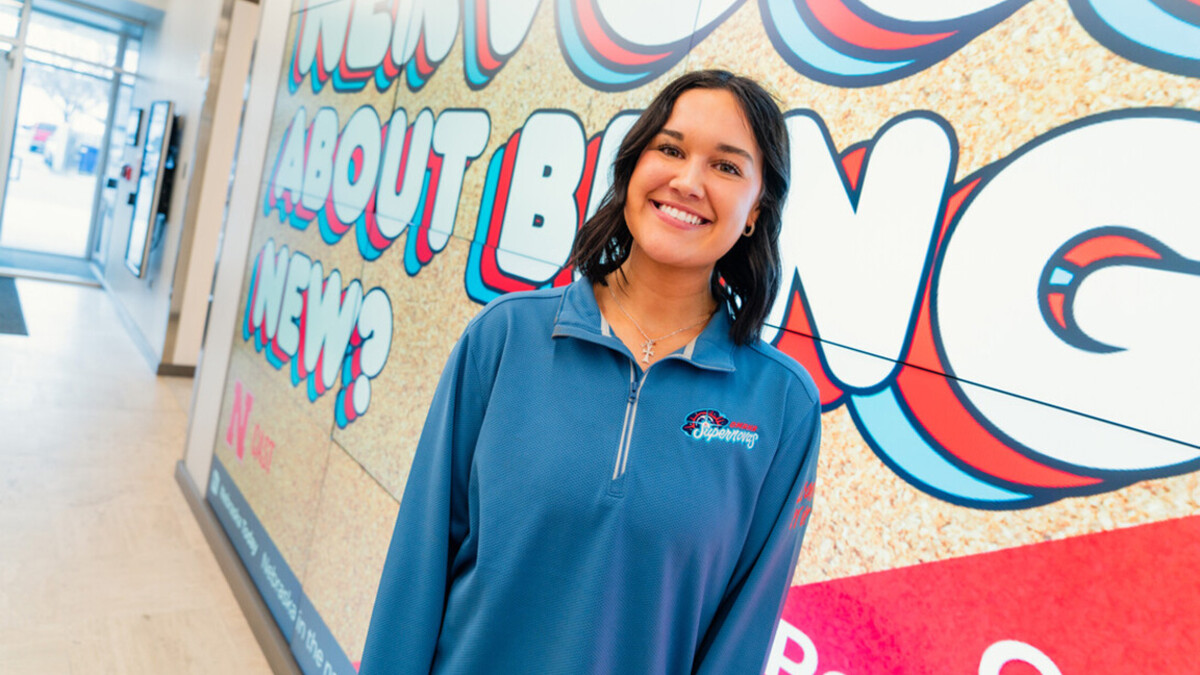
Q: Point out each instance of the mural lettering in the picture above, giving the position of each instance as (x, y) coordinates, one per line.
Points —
(1160, 34)
(794, 653)
(330, 334)
(540, 187)
(1053, 318)
(355, 42)
(875, 222)
(264, 448)
(612, 45)
(944, 329)
(261, 446)
(239, 418)
(616, 46)
(945, 333)
(491, 35)
(848, 43)
(377, 179)
(1004, 652)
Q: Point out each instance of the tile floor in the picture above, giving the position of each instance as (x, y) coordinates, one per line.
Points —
(103, 568)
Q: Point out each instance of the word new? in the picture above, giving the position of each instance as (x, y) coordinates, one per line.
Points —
(330, 334)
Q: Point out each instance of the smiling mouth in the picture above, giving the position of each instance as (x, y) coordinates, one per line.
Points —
(677, 214)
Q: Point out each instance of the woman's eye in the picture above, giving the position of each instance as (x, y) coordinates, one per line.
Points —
(730, 168)
(670, 150)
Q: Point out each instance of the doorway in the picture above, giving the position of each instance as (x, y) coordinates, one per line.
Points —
(70, 71)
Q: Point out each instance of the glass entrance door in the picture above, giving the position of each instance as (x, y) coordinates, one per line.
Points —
(68, 85)
(61, 123)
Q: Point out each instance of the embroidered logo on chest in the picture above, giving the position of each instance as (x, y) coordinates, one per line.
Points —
(710, 425)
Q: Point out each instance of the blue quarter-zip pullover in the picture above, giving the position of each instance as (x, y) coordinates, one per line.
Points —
(568, 513)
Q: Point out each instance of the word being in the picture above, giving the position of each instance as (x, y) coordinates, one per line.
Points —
(617, 46)
(330, 334)
(352, 43)
(964, 324)
(782, 659)
(378, 179)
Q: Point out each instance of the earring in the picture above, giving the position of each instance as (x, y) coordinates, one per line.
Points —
(749, 229)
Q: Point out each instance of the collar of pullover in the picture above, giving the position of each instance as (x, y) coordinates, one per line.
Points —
(579, 316)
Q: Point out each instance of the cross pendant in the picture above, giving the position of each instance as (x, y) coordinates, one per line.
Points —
(647, 350)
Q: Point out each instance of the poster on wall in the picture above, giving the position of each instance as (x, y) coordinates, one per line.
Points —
(991, 255)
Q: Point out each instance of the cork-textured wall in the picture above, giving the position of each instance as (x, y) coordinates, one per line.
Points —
(991, 244)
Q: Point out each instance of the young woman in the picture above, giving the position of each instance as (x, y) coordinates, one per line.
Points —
(614, 475)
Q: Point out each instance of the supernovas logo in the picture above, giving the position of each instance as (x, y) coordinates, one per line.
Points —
(711, 425)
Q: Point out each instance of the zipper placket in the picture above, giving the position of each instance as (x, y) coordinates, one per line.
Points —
(616, 485)
(627, 425)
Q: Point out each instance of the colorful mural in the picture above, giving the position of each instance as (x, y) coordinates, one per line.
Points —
(992, 260)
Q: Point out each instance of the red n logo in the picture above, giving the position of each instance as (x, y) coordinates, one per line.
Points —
(239, 419)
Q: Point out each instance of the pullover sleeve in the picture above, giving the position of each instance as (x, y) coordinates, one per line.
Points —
(430, 527)
(737, 641)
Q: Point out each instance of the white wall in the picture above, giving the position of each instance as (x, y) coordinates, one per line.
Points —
(171, 52)
(235, 244)
(213, 187)
(148, 11)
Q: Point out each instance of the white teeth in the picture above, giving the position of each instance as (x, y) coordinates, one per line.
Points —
(680, 215)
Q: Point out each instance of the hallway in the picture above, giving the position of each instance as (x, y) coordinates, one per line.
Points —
(103, 568)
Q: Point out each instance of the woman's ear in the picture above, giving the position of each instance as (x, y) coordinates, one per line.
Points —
(751, 220)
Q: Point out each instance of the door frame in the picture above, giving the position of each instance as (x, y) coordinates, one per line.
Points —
(10, 107)
(14, 60)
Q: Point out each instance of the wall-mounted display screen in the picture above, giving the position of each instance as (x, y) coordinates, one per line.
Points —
(133, 127)
(146, 207)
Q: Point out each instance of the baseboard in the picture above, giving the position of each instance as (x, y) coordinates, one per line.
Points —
(172, 370)
(131, 327)
(43, 275)
(47, 267)
(139, 340)
(266, 631)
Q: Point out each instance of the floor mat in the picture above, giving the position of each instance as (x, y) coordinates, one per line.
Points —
(12, 321)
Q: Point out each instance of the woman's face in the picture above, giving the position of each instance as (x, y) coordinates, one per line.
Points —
(697, 183)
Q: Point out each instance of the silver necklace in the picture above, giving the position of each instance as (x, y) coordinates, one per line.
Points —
(648, 345)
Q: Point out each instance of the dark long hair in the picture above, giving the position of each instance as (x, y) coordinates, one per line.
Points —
(746, 279)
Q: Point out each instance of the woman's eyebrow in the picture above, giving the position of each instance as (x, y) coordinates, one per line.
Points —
(734, 150)
(723, 147)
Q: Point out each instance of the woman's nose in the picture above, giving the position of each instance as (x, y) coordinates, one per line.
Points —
(688, 179)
